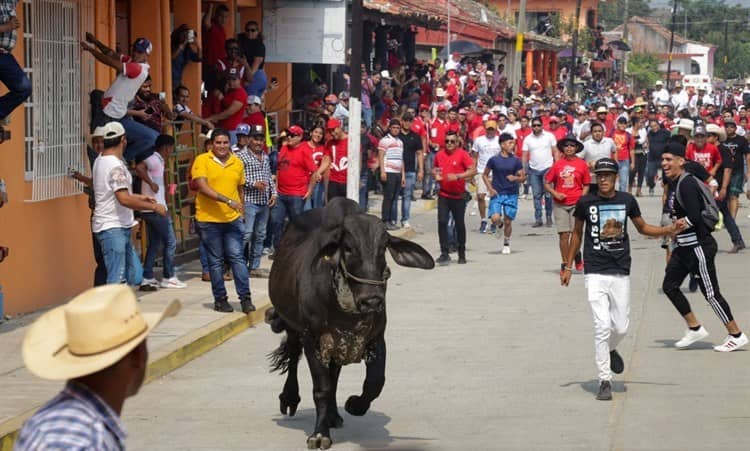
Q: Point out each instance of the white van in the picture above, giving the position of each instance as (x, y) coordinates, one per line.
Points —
(698, 81)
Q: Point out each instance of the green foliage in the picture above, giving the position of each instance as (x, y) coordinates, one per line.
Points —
(643, 69)
(612, 13)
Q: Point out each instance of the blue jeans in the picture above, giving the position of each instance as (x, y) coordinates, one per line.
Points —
(428, 181)
(223, 241)
(258, 85)
(141, 138)
(160, 233)
(364, 188)
(203, 256)
(286, 206)
(729, 223)
(316, 200)
(623, 175)
(123, 265)
(18, 84)
(406, 193)
(652, 167)
(367, 116)
(256, 219)
(536, 178)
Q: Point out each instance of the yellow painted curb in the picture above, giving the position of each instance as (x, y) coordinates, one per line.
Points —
(166, 359)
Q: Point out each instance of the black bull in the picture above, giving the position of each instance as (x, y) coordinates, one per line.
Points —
(327, 286)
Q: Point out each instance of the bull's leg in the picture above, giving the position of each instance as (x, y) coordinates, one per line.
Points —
(334, 419)
(289, 398)
(374, 380)
(322, 386)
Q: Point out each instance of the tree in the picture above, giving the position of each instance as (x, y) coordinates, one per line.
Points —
(612, 14)
(643, 68)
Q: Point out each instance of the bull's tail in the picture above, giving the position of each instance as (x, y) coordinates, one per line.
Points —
(274, 320)
(288, 351)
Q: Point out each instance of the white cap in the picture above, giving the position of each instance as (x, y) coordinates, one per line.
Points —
(253, 100)
(111, 130)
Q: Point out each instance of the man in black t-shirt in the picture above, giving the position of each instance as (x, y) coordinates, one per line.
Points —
(606, 256)
(254, 51)
(695, 253)
(736, 147)
(413, 167)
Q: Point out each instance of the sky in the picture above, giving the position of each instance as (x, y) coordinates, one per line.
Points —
(663, 3)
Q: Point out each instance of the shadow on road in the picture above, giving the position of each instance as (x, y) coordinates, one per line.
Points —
(669, 343)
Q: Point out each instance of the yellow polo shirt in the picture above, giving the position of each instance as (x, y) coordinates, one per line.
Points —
(224, 178)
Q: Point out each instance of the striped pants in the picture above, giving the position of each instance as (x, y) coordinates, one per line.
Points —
(698, 260)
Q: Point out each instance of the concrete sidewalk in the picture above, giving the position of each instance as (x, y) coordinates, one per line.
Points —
(195, 331)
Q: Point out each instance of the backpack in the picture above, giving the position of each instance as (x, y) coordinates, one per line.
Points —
(709, 212)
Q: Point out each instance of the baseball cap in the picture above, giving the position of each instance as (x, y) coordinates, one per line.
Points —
(242, 129)
(554, 119)
(604, 165)
(296, 130)
(424, 107)
(253, 100)
(442, 108)
(602, 109)
(111, 130)
(142, 45)
(505, 137)
(699, 130)
(491, 124)
(333, 123)
(98, 132)
(257, 130)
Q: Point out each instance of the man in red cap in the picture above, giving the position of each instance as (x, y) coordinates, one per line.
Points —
(337, 149)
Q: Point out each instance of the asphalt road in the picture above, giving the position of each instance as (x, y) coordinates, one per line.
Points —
(492, 355)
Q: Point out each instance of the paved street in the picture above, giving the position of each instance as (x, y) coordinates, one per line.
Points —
(490, 355)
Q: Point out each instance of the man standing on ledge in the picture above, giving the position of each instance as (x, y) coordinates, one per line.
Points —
(606, 255)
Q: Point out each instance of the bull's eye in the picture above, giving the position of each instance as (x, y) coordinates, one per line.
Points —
(326, 257)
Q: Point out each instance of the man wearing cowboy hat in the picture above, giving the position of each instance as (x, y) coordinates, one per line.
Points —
(97, 343)
(660, 96)
(567, 181)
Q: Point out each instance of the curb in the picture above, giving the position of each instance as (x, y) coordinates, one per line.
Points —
(168, 358)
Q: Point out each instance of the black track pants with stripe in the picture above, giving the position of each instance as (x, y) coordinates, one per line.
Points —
(698, 260)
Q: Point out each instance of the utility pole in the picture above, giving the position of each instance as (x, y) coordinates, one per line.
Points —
(448, 45)
(515, 78)
(573, 66)
(625, 39)
(355, 103)
(726, 47)
(671, 46)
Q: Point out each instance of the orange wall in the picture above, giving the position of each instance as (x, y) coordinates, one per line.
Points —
(50, 242)
(566, 8)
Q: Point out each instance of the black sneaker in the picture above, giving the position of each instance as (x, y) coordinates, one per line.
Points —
(549, 222)
(615, 362)
(461, 259)
(605, 391)
(537, 224)
(443, 260)
(246, 302)
(222, 305)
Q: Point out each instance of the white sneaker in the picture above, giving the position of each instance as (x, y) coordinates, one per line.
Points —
(152, 282)
(506, 250)
(732, 344)
(173, 282)
(691, 336)
(405, 225)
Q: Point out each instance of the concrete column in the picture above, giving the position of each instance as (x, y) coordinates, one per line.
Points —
(189, 12)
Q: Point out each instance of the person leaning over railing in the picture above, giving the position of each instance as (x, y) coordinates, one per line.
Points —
(182, 109)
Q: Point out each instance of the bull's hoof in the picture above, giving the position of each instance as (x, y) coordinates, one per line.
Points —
(335, 421)
(288, 404)
(319, 441)
(357, 406)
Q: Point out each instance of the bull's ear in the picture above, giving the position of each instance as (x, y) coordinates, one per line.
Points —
(336, 210)
(409, 253)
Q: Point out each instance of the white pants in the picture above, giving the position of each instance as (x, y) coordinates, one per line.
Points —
(609, 297)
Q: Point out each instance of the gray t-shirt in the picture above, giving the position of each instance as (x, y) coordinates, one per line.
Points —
(593, 151)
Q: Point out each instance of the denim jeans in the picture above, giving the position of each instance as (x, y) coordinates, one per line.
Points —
(729, 222)
(317, 198)
(623, 175)
(367, 116)
(223, 241)
(428, 181)
(18, 84)
(536, 179)
(652, 168)
(160, 233)
(141, 138)
(259, 84)
(256, 220)
(123, 265)
(390, 196)
(364, 188)
(100, 273)
(406, 192)
(203, 255)
(286, 206)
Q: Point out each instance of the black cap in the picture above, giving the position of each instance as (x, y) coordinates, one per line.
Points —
(505, 137)
(675, 147)
(604, 165)
(257, 130)
(567, 139)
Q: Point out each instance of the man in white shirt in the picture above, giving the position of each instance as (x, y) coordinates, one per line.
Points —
(391, 156)
(679, 98)
(114, 205)
(538, 154)
(596, 148)
(660, 96)
(484, 148)
(159, 228)
(132, 71)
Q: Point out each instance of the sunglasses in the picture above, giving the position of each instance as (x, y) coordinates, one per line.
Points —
(451, 141)
(252, 30)
(536, 125)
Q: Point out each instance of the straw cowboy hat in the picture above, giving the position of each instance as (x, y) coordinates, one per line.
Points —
(639, 102)
(90, 333)
(719, 131)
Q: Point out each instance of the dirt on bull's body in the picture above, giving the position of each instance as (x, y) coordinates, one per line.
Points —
(344, 346)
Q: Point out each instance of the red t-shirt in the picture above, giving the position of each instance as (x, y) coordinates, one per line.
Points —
(708, 156)
(338, 150)
(521, 134)
(213, 44)
(455, 163)
(317, 152)
(294, 169)
(569, 177)
(560, 132)
(623, 143)
(438, 130)
(235, 119)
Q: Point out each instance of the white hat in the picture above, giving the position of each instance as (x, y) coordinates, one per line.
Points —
(685, 124)
(713, 128)
(90, 333)
(253, 100)
(440, 92)
(658, 83)
(385, 74)
(111, 130)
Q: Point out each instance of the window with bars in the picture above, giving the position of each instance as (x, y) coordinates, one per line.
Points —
(57, 111)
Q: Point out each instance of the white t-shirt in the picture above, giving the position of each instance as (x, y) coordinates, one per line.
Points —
(394, 153)
(155, 166)
(509, 129)
(124, 88)
(593, 151)
(540, 150)
(110, 175)
(485, 149)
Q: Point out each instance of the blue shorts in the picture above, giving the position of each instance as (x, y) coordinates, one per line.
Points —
(504, 205)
